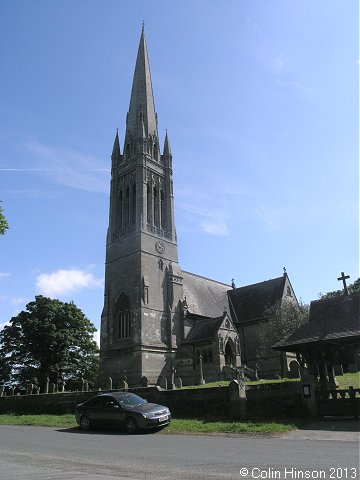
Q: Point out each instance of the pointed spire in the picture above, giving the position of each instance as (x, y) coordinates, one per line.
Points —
(116, 148)
(167, 149)
(142, 99)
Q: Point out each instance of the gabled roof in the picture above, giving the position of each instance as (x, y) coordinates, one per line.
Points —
(205, 297)
(205, 329)
(249, 302)
(332, 320)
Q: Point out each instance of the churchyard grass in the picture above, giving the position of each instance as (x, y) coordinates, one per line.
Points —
(348, 379)
(344, 381)
(177, 426)
(41, 420)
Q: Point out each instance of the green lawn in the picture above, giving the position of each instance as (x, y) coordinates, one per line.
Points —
(176, 426)
(344, 382)
(348, 379)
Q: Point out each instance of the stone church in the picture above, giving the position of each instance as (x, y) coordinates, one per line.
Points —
(158, 320)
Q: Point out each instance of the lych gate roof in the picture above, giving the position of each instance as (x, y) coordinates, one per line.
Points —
(205, 297)
(204, 329)
(250, 302)
(332, 320)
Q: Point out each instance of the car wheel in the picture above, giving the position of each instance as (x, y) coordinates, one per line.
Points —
(85, 423)
(131, 425)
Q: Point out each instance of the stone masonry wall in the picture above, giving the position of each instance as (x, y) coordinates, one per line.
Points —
(264, 401)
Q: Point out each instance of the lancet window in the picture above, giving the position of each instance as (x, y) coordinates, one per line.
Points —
(123, 316)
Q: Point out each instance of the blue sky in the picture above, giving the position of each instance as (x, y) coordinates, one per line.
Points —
(260, 99)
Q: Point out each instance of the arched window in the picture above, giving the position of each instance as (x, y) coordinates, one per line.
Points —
(210, 356)
(127, 151)
(149, 203)
(229, 355)
(205, 357)
(127, 206)
(133, 204)
(156, 208)
(162, 210)
(124, 316)
(161, 264)
(120, 211)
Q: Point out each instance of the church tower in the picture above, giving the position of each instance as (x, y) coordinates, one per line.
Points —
(143, 283)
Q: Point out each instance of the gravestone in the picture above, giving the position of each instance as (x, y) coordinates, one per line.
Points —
(108, 384)
(338, 369)
(81, 384)
(144, 382)
(294, 369)
(353, 368)
(47, 385)
(178, 382)
(238, 402)
(162, 382)
(356, 358)
(123, 384)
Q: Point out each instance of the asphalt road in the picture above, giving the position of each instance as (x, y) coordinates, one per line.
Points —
(39, 453)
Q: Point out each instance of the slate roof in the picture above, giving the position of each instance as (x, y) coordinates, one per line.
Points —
(332, 320)
(204, 329)
(205, 297)
(249, 302)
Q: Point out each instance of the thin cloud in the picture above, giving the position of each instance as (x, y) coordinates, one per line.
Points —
(15, 301)
(63, 282)
(4, 275)
(67, 167)
(214, 228)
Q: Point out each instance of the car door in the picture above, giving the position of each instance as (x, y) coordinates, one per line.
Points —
(115, 414)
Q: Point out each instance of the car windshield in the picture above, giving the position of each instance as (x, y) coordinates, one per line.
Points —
(132, 400)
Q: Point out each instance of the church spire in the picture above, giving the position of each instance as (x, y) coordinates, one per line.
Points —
(116, 148)
(142, 99)
(167, 149)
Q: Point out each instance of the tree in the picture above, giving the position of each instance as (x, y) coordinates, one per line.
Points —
(3, 222)
(50, 339)
(352, 288)
(281, 320)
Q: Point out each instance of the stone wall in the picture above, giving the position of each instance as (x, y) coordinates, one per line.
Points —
(275, 400)
(263, 401)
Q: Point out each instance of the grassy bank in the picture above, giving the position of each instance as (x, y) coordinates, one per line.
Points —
(177, 426)
(344, 382)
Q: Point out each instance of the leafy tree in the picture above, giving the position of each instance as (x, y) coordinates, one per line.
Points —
(282, 319)
(3, 222)
(50, 339)
(352, 288)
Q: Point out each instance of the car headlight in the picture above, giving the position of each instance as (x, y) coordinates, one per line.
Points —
(146, 415)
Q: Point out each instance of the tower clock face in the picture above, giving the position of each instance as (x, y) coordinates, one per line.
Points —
(160, 247)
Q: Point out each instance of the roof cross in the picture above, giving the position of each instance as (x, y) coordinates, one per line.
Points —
(344, 278)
